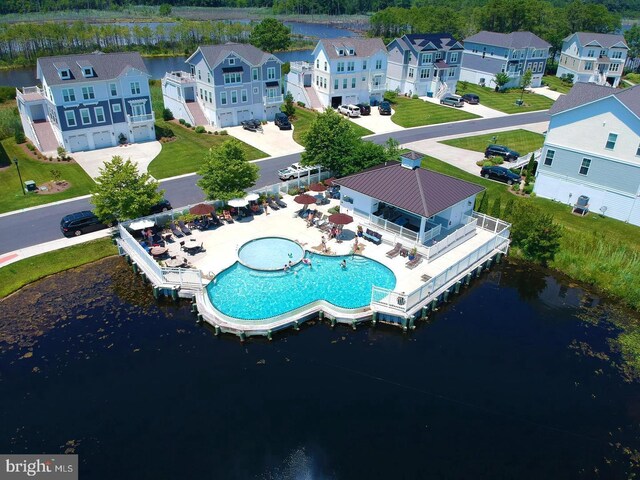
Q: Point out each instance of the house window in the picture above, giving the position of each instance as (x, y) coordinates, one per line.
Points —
(325, 66)
(378, 64)
(438, 55)
(351, 51)
(199, 75)
(84, 116)
(424, 73)
(454, 57)
(603, 53)
(351, 66)
(243, 96)
(234, 96)
(223, 98)
(113, 89)
(341, 52)
(255, 74)
(588, 66)
(344, 83)
(548, 158)
(87, 93)
(590, 54)
(336, 84)
(411, 72)
(317, 63)
(271, 73)
(99, 112)
(208, 77)
(340, 66)
(324, 83)
(614, 67)
(231, 78)
(65, 74)
(616, 54)
(116, 108)
(201, 95)
(452, 72)
(353, 82)
(135, 88)
(611, 141)
(364, 65)
(232, 61)
(68, 95)
(70, 115)
(87, 72)
(638, 151)
(584, 166)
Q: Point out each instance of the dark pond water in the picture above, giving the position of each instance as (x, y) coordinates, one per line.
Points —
(516, 378)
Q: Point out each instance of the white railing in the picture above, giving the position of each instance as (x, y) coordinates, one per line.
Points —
(28, 91)
(273, 100)
(150, 117)
(434, 231)
(182, 77)
(139, 255)
(285, 186)
(185, 277)
(460, 233)
(376, 86)
(390, 227)
(491, 224)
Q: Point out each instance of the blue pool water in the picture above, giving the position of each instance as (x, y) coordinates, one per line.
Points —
(270, 253)
(249, 294)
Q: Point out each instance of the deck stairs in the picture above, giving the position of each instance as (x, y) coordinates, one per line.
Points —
(197, 114)
(314, 101)
(46, 138)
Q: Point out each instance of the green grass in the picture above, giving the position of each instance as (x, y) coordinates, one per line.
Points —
(411, 112)
(303, 119)
(557, 84)
(16, 275)
(11, 197)
(633, 77)
(522, 141)
(506, 101)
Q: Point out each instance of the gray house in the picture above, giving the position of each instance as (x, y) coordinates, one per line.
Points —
(225, 85)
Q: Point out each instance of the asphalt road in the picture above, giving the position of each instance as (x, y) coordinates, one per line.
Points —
(41, 225)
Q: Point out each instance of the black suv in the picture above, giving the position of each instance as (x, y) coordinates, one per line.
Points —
(365, 108)
(282, 121)
(162, 206)
(501, 151)
(471, 98)
(384, 108)
(501, 173)
(82, 222)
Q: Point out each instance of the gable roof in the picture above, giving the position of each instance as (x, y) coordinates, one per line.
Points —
(508, 40)
(214, 54)
(605, 40)
(363, 47)
(487, 64)
(418, 191)
(106, 66)
(429, 41)
(583, 93)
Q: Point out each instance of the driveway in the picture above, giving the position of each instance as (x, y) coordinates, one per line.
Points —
(377, 123)
(479, 109)
(140, 153)
(546, 92)
(272, 141)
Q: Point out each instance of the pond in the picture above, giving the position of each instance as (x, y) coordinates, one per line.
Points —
(517, 377)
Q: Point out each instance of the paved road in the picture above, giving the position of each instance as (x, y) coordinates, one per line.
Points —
(43, 224)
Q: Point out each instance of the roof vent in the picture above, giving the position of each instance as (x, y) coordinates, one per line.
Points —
(411, 160)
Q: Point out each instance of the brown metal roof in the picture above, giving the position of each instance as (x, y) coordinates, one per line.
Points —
(418, 191)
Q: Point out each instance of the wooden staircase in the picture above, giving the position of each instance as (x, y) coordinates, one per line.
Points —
(197, 114)
(46, 138)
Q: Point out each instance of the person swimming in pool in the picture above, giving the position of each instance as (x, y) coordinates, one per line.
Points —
(343, 263)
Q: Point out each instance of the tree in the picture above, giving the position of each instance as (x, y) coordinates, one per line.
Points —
(535, 233)
(392, 149)
(270, 35)
(367, 154)
(165, 10)
(501, 79)
(167, 114)
(531, 168)
(632, 36)
(496, 208)
(288, 107)
(226, 173)
(525, 82)
(508, 209)
(330, 142)
(483, 203)
(122, 192)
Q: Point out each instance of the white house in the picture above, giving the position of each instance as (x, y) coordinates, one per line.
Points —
(88, 102)
(593, 57)
(344, 71)
(424, 64)
(592, 149)
(225, 85)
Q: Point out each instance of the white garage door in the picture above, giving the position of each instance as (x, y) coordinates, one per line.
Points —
(141, 133)
(226, 119)
(78, 143)
(102, 139)
(244, 115)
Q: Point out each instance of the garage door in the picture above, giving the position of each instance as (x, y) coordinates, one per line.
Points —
(102, 139)
(226, 119)
(78, 143)
(244, 115)
(141, 133)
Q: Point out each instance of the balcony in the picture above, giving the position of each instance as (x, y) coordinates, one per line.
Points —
(181, 77)
(31, 94)
(273, 100)
(377, 86)
(133, 119)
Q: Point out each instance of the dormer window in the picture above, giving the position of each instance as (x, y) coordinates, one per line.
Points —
(232, 61)
(341, 52)
(351, 51)
(87, 72)
(65, 74)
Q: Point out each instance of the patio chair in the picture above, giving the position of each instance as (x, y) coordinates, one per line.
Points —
(326, 227)
(395, 252)
(279, 202)
(184, 228)
(214, 220)
(175, 230)
(417, 260)
(227, 216)
(272, 204)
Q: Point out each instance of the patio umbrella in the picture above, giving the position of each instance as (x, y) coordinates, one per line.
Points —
(340, 218)
(238, 202)
(317, 187)
(304, 199)
(252, 197)
(329, 181)
(202, 209)
(141, 224)
(155, 251)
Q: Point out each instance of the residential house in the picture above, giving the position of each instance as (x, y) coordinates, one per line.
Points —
(225, 85)
(87, 102)
(593, 58)
(489, 53)
(592, 149)
(343, 71)
(424, 64)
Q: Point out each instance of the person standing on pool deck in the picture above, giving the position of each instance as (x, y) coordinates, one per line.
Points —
(265, 207)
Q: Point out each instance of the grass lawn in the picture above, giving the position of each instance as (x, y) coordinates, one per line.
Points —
(522, 141)
(506, 101)
(411, 112)
(16, 275)
(304, 118)
(633, 77)
(556, 84)
(11, 197)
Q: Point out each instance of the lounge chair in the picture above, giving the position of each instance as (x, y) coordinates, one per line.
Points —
(280, 203)
(326, 227)
(272, 204)
(175, 230)
(395, 252)
(417, 260)
(322, 221)
(184, 228)
(227, 216)
(215, 221)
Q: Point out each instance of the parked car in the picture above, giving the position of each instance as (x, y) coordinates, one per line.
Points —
(501, 151)
(349, 110)
(251, 125)
(452, 101)
(282, 121)
(162, 206)
(365, 108)
(384, 108)
(500, 173)
(78, 223)
(471, 98)
(295, 170)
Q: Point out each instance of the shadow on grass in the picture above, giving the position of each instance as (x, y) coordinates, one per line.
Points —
(5, 161)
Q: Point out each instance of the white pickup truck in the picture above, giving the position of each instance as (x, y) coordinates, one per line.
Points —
(295, 170)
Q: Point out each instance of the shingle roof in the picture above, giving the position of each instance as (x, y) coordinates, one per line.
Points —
(442, 41)
(214, 54)
(106, 66)
(363, 47)
(418, 191)
(582, 93)
(508, 40)
(606, 40)
(487, 64)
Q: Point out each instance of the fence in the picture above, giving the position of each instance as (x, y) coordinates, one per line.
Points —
(392, 228)
(285, 186)
(448, 241)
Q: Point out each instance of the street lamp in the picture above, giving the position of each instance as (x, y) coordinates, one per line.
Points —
(15, 160)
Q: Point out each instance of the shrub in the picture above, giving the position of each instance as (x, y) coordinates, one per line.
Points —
(528, 189)
(293, 191)
(187, 124)
(216, 132)
(200, 129)
(208, 132)
(390, 95)
(516, 187)
(415, 96)
(192, 128)
(164, 132)
(62, 153)
(19, 137)
(167, 115)
(31, 147)
(224, 132)
(496, 208)
(182, 121)
(487, 163)
(553, 88)
(335, 209)
(480, 163)
(301, 104)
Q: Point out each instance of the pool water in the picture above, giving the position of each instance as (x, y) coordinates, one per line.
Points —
(270, 253)
(249, 294)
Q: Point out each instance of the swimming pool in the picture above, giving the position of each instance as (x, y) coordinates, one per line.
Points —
(249, 294)
(270, 253)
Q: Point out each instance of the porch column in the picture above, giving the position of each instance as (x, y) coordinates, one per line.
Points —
(423, 224)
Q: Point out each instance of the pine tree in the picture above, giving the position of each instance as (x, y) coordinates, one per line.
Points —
(496, 208)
